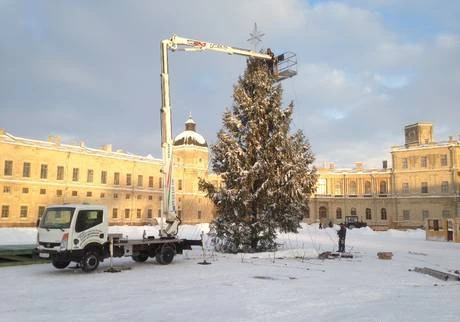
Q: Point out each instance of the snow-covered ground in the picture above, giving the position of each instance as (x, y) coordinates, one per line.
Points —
(289, 285)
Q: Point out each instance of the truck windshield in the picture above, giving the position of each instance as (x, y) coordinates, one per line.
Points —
(59, 217)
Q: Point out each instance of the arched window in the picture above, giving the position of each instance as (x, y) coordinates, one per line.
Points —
(322, 212)
(352, 188)
(367, 188)
(338, 213)
(383, 187)
(368, 214)
(383, 214)
(353, 211)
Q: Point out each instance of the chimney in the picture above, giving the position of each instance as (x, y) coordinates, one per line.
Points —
(2, 131)
(451, 138)
(82, 144)
(331, 165)
(54, 139)
(107, 147)
(385, 164)
(358, 165)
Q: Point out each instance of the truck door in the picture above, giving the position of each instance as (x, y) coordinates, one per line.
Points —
(89, 228)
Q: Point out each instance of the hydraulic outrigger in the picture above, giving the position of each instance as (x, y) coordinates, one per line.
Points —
(283, 66)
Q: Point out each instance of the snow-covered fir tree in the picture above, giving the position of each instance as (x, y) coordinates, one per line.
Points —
(267, 170)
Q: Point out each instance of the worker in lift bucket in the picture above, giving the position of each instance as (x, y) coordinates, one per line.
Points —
(272, 64)
(342, 232)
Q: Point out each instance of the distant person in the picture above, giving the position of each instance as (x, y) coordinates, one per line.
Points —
(342, 232)
(331, 224)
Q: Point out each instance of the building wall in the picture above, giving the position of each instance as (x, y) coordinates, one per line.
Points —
(423, 183)
(134, 198)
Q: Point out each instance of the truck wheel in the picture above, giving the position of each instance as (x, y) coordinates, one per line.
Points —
(140, 258)
(165, 255)
(60, 263)
(90, 261)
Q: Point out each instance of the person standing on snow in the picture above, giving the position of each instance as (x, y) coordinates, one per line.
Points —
(342, 232)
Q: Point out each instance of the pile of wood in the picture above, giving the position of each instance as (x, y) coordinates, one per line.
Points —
(385, 255)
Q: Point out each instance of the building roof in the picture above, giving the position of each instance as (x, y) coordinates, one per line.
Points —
(190, 136)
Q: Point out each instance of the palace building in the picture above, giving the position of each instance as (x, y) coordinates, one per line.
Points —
(422, 186)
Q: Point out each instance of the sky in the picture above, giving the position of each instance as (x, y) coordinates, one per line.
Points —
(90, 70)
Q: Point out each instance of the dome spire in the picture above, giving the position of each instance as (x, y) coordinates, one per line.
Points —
(190, 124)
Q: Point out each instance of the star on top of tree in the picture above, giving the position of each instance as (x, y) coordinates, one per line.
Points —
(256, 36)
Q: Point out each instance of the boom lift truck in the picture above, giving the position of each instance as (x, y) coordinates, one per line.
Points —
(79, 232)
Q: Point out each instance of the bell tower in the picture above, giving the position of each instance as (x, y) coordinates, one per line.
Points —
(418, 133)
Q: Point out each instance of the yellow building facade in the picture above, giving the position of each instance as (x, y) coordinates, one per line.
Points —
(422, 184)
(34, 174)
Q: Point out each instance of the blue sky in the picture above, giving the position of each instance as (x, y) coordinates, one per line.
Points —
(89, 71)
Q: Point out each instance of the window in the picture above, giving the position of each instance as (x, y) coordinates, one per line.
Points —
(199, 214)
(89, 194)
(58, 192)
(138, 213)
(160, 183)
(90, 175)
(75, 174)
(102, 195)
(367, 188)
(446, 213)
(404, 163)
(424, 187)
(338, 188)
(338, 213)
(405, 187)
(6, 189)
(103, 177)
(74, 193)
(139, 197)
(307, 213)
(149, 213)
(383, 187)
(140, 180)
(406, 214)
(128, 196)
(434, 224)
(320, 186)
(43, 191)
(60, 173)
(445, 186)
(5, 211)
(150, 197)
(26, 170)
(23, 213)
(8, 170)
(383, 214)
(353, 211)
(322, 212)
(25, 190)
(159, 212)
(116, 178)
(368, 214)
(179, 184)
(150, 182)
(41, 210)
(128, 179)
(352, 188)
(87, 219)
(115, 213)
(127, 213)
(425, 214)
(423, 162)
(115, 196)
(443, 160)
(43, 171)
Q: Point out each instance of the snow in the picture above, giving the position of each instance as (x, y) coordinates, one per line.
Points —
(289, 285)
(191, 134)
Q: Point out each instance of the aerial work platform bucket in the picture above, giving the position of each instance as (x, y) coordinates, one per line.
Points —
(286, 66)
